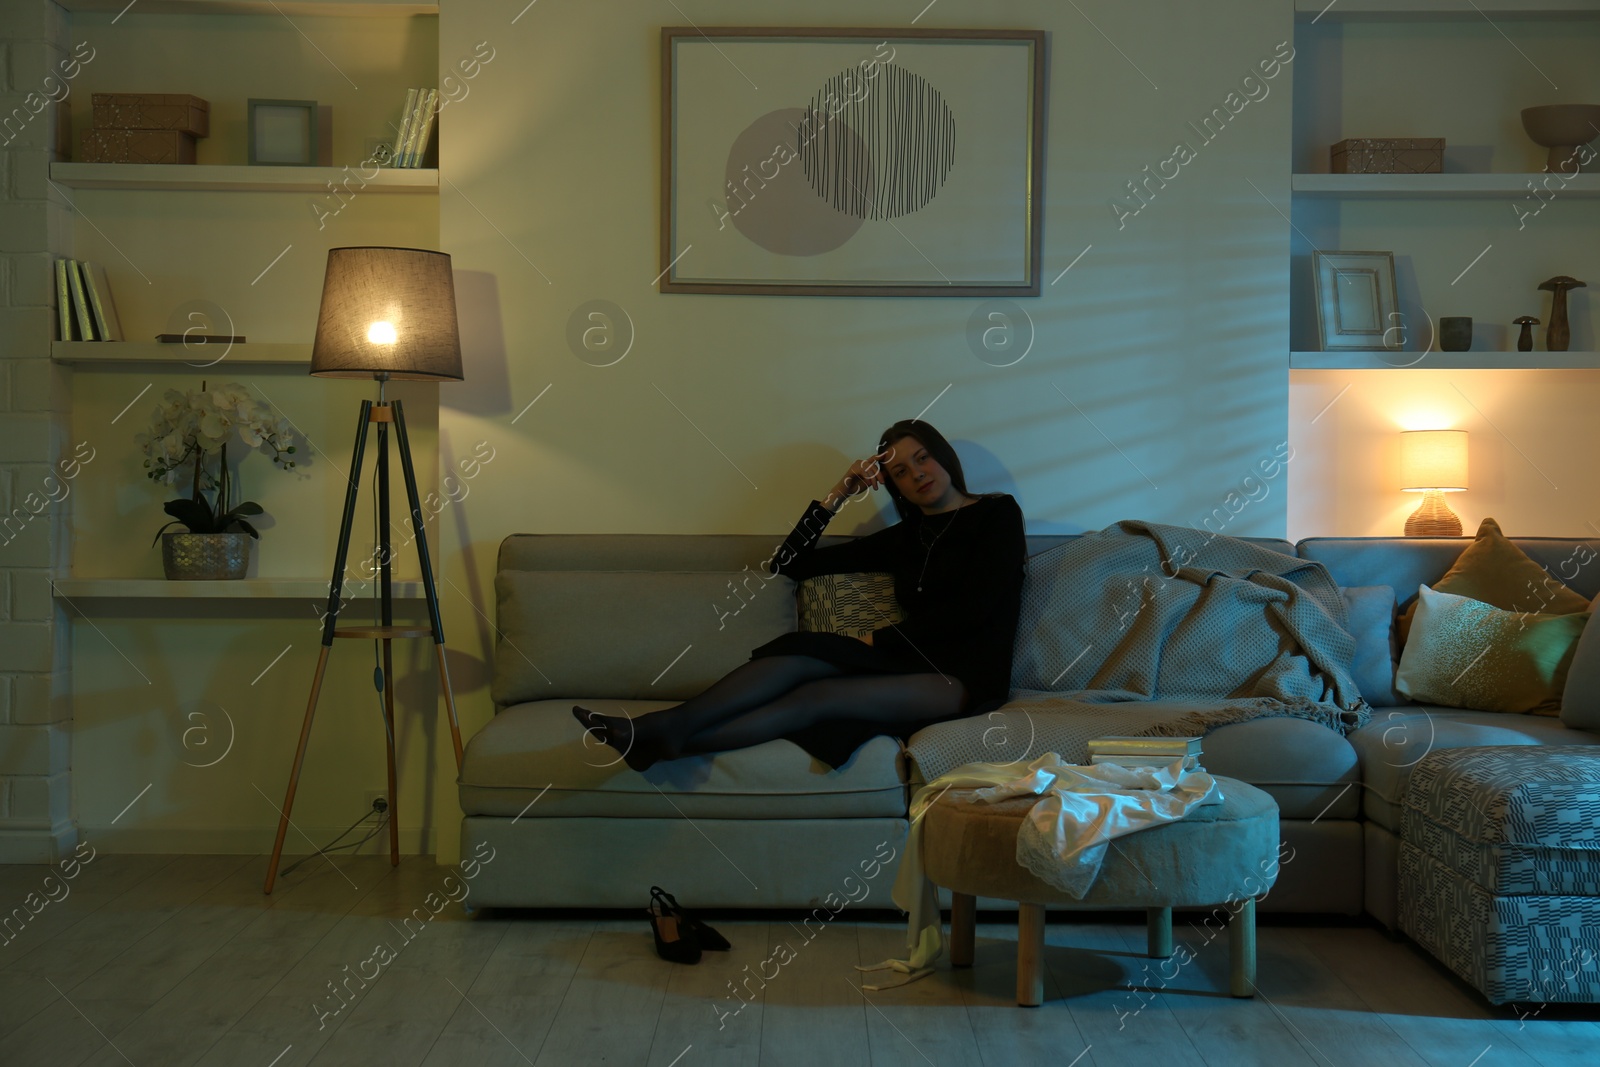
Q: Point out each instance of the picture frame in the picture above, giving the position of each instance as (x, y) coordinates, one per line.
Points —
(283, 133)
(859, 161)
(1357, 305)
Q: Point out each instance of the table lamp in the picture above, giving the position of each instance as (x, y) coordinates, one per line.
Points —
(1433, 462)
(387, 314)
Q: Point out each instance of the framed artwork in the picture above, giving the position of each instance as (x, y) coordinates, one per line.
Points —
(283, 133)
(1357, 309)
(851, 162)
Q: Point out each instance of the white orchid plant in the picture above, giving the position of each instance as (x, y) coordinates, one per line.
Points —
(192, 430)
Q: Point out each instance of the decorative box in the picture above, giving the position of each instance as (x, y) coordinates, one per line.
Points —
(136, 146)
(1387, 155)
(152, 111)
(1500, 868)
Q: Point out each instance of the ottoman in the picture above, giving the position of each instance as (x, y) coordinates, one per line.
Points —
(1500, 869)
(1222, 854)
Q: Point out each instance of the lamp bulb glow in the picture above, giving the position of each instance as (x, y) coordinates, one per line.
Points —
(381, 333)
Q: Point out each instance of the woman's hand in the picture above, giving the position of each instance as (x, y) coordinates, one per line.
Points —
(863, 474)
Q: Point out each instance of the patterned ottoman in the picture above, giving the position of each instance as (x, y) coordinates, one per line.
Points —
(1500, 869)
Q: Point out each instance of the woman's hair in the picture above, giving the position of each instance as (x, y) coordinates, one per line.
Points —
(937, 447)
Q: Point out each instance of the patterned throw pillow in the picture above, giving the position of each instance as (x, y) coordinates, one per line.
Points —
(1464, 653)
(849, 604)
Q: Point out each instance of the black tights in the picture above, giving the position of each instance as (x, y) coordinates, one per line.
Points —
(772, 697)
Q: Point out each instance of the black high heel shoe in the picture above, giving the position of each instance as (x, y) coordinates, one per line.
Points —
(675, 941)
(705, 935)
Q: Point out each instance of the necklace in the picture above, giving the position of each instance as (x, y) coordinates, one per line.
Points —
(928, 547)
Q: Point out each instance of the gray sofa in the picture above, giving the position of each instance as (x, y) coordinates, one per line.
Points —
(640, 622)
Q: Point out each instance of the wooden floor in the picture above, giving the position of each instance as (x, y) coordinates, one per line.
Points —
(177, 960)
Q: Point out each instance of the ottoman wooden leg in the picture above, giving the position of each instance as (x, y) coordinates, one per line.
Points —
(1158, 932)
(1242, 951)
(1030, 955)
(963, 921)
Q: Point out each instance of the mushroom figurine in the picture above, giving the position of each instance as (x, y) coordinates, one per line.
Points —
(1557, 334)
(1525, 339)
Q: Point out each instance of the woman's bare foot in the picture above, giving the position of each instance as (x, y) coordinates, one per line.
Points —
(621, 733)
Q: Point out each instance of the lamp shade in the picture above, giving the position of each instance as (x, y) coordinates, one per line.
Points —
(387, 311)
(1433, 459)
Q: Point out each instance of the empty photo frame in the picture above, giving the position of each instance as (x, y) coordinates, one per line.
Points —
(1357, 309)
(283, 133)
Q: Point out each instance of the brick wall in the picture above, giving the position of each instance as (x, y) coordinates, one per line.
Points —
(35, 226)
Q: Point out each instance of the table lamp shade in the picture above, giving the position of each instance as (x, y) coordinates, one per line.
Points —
(1433, 459)
(387, 311)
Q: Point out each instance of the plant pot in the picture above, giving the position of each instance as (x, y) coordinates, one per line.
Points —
(192, 557)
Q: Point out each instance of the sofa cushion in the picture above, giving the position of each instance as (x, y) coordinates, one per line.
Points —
(849, 604)
(1494, 570)
(1580, 700)
(534, 759)
(1398, 738)
(1371, 612)
(620, 634)
(1466, 653)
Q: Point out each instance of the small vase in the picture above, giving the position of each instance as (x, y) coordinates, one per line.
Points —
(1455, 333)
(192, 557)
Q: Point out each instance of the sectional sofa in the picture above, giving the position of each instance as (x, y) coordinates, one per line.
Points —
(640, 622)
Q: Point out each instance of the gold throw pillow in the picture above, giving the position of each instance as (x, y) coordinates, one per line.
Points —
(1497, 572)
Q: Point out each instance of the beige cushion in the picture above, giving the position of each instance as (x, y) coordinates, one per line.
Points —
(1467, 654)
(537, 754)
(849, 604)
(1497, 572)
(643, 635)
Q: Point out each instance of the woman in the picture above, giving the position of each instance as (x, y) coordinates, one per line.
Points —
(957, 560)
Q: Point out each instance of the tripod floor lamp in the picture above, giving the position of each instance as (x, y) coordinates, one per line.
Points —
(387, 314)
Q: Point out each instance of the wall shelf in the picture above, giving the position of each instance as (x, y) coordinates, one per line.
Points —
(234, 178)
(1444, 360)
(1442, 186)
(114, 353)
(1322, 11)
(240, 589)
(340, 8)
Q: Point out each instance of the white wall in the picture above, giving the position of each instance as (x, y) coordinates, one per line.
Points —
(1170, 335)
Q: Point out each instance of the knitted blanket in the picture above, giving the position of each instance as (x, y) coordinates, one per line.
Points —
(1162, 630)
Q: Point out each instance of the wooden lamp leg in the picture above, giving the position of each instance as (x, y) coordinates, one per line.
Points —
(294, 773)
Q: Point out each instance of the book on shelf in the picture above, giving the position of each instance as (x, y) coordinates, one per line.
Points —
(406, 114)
(1146, 746)
(428, 108)
(64, 317)
(416, 128)
(107, 326)
(80, 301)
(1190, 763)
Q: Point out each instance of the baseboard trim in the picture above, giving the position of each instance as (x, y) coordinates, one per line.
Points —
(247, 840)
(38, 846)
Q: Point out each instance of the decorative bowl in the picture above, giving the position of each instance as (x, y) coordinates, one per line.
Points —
(1563, 129)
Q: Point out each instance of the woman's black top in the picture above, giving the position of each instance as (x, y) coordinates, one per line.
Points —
(958, 579)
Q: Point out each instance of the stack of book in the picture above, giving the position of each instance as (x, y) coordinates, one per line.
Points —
(1146, 751)
(83, 303)
(416, 128)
